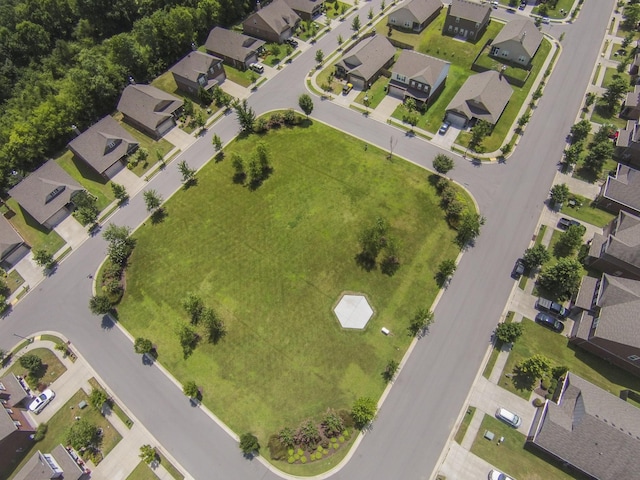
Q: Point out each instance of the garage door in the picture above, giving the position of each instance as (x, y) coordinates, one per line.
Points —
(456, 120)
(396, 92)
(113, 169)
(165, 126)
(57, 217)
(357, 82)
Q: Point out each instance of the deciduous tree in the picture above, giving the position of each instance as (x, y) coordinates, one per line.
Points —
(152, 200)
(81, 434)
(562, 278)
(100, 304)
(509, 332)
(443, 164)
(469, 227)
(306, 104)
(190, 389)
(535, 366)
(249, 444)
(420, 322)
(363, 411)
(536, 256)
(148, 454)
(559, 193)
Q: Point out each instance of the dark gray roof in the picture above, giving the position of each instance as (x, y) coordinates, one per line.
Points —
(9, 237)
(278, 16)
(45, 191)
(633, 98)
(148, 105)
(521, 30)
(596, 245)
(592, 430)
(7, 427)
(232, 44)
(586, 293)
(483, 96)
(624, 188)
(420, 9)
(473, 11)
(42, 466)
(369, 56)
(12, 391)
(103, 144)
(306, 6)
(194, 64)
(619, 302)
(418, 66)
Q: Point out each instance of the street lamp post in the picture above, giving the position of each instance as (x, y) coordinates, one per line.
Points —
(28, 339)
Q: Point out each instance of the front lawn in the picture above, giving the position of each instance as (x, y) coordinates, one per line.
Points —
(244, 78)
(142, 472)
(156, 148)
(63, 418)
(586, 211)
(564, 5)
(537, 339)
(510, 456)
(609, 73)
(86, 176)
(273, 262)
(36, 236)
(602, 115)
(376, 93)
(51, 369)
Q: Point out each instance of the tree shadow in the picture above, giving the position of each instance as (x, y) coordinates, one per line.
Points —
(523, 381)
(239, 178)
(107, 322)
(365, 261)
(192, 182)
(158, 216)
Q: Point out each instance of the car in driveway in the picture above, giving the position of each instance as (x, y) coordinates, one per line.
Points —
(508, 417)
(444, 128)
(347, 88)
(548, 321)
(565, 223)
(553, 308)
(291, 42)
(498, 475)
(256, 67)
(41, 401)
(518, 269)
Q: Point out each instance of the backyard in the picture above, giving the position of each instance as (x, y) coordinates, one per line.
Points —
(539, 340)
(273, 262)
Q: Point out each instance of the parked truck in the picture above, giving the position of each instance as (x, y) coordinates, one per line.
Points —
(552, 307)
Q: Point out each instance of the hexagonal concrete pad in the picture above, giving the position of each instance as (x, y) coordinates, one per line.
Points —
(353, 311)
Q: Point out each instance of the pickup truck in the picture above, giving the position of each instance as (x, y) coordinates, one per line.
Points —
(552, 307)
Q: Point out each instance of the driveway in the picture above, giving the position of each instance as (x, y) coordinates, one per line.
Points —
(179, 138)
(446, 140)
(131, 182)
(71, 232)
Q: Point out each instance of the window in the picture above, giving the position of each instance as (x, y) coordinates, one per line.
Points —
(401, 78)
(522, 59)
(457, 19)
(495, 51)
(392, 20)
(634, 358)
(451, 27)
(505, 53)
(413, 84)
(407, 24)
(202, 80)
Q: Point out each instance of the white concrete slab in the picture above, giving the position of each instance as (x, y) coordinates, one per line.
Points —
(29, 271)
(353, 311)
(131, 182)
(179, 138)
(72, 232)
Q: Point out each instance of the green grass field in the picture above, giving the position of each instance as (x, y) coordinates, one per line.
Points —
(52, 367)
(142, 472)
(586, 211)
(33, 233)
(273, 262)
(537, 339)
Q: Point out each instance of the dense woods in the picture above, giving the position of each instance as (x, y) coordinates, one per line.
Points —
(65, 62)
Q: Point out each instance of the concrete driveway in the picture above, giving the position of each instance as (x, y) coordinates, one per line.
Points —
(130, 180)
(179, 138)
(72, 232)
(446, 140)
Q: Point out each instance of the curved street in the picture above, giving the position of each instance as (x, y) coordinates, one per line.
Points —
(416, 418)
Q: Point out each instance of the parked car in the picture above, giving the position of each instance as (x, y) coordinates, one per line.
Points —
(498, 475)
(256, 67)
(546, 20)
(444, 128)
(494, 4)
(565, 223)
(508, 417)
(518, 269)
(523, 4)
(552, 307)
(548, 321)
(347, 88)
(291, 42)
(41, 401)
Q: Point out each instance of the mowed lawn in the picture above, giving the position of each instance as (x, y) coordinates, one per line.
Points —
(273, 262)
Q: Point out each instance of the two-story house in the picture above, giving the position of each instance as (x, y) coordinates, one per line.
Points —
(198, 70)
(418, 76)
(364, 63)
(517, 42)
(467, 19)
(235, 48)
(414, 15)
(274, 22)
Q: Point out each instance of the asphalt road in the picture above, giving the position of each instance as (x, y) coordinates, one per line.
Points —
(416, 418)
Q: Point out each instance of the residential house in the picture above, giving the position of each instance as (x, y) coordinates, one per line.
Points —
(235, 48)
(149, 109)
(104, 147)
(617, 250)
(622, 191)
(608, 324)
(628, 143)
(631, 105)
(12, 245)
(467, 19)
(274, 22)
(589, 430)
(15, 429)
(418, 76)
(633, 68)
(198, 70)
(47, 194)
(60, 463)
(483, 96)
(415, 15)
(517, 42)
(364, 63)
(306, 9)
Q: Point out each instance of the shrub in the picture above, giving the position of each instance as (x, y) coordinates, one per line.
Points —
(559, 371)
(41, 431)
(303, 459)
(312, 457)
(32, 363)
(296, 457)
(544, 384)
(97, 398)
(346, 434)
(333, 440)
(300, 452)
(336, 446)
(261, 125)
(291, 451)
(319, 449)
(289, 117)
(276, 449)
(291, 460)
(249, 443)
(341, 439)
(538, 402)
(332, 423)
(276, 120)
(308, 434)
(553, 384)
(287, 438)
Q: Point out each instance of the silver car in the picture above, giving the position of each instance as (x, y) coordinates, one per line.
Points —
(508, 417)
(41, 401)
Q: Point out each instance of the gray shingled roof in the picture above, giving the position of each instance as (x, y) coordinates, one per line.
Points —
(584, 299)
(469, 10)
(619, 302)
(592, 430)
(38, 468)
(306, 6)
(369, 56)
(9, 238)
(148, 105)
(483, 96)
(521, 30)
(7, 426)
(418, 66)
(420, 9)
(13, 391)
(277, 15)
(194, 64)
(232, 44)
(633, 98)
(32, 193)
(624, 188)
(93, 145)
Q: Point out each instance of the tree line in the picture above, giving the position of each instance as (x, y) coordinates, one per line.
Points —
(65, 63)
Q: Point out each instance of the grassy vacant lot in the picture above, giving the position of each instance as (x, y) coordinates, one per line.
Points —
(33, 233)
(511, 457)
(537, 339)
(586, 211)
(142, 472)
(86, 176)
(52, 367)
(64, 417)
(273, 262)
